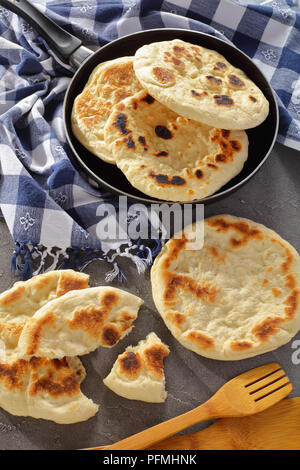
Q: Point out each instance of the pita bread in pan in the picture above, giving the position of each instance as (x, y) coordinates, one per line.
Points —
(169, 157)
(200, 84)
(79, 322)
(109, 83)
(138, 373)
(47, 389)
(21, 302)
(236, 297)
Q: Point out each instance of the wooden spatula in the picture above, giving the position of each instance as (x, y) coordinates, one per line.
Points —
(246, 394)
(277, 428)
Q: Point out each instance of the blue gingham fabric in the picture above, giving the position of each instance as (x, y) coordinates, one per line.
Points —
(51, 210)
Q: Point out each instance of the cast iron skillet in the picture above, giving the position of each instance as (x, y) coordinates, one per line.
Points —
(69, 48)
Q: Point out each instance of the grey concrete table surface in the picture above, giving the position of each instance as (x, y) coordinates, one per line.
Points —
(271, 197)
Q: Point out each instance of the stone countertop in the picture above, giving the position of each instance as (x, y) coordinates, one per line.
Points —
(271, 197)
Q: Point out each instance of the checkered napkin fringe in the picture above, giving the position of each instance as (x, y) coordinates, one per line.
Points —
(51, 210)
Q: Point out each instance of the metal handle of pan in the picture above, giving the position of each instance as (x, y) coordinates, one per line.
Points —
(66, 46)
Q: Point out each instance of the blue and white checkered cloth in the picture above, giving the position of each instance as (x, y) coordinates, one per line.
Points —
(50, 209)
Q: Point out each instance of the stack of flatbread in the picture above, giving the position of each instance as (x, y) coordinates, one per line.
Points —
(172, 118)
(45, 323)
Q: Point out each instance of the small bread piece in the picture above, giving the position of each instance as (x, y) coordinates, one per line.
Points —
(42, 388)
(79, 322)
(21, 302)
(236, 297)
(108, 84)
(200, 84)
(169, 157)
(138, 373)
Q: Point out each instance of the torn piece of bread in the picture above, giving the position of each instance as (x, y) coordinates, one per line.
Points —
(79, 322)
(138, 373)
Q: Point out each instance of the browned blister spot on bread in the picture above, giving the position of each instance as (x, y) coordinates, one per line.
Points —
(118, 75)
(201, 340)
(225, 133)
(163, 75)
(71, 281)
(292, 303)
(213, 80)
(36, 332)
(173, 59)
(12, 295)
(175, 246)
(58, 381)
(285, 266)
(164, 180)
(199, 174)
(86, 107)
(130, 364)
(198, 94)
(110, 335)
(223, 100)
(290, 281)
(127, 320)
(240, 345)
(91, 318)
(110, 299)
(219, 66)
(181, 50)
(227, 147)
(235, 81)
(120, 122)
(43, 280)
(154, 356)
(242, 228)
(267, 328)
(276, 292)
(148, 99)
(215, 253)
(178, 319)
(120, 94)
(11, 375)
(173, 282)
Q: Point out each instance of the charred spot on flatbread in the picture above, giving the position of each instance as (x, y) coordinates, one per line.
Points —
(163, 132)
(235, 81)
(120, 123)
(164, 179)
(223, 100)
(163, 75)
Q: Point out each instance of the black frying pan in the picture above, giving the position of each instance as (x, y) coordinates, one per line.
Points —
(69, 48)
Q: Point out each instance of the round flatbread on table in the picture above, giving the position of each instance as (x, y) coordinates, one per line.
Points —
(200, 84)
(236, 297)
(169, 157)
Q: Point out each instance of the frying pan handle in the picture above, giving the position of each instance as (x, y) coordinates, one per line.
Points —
(63, 43)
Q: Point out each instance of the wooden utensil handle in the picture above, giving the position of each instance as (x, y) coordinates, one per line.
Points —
(150, 436)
